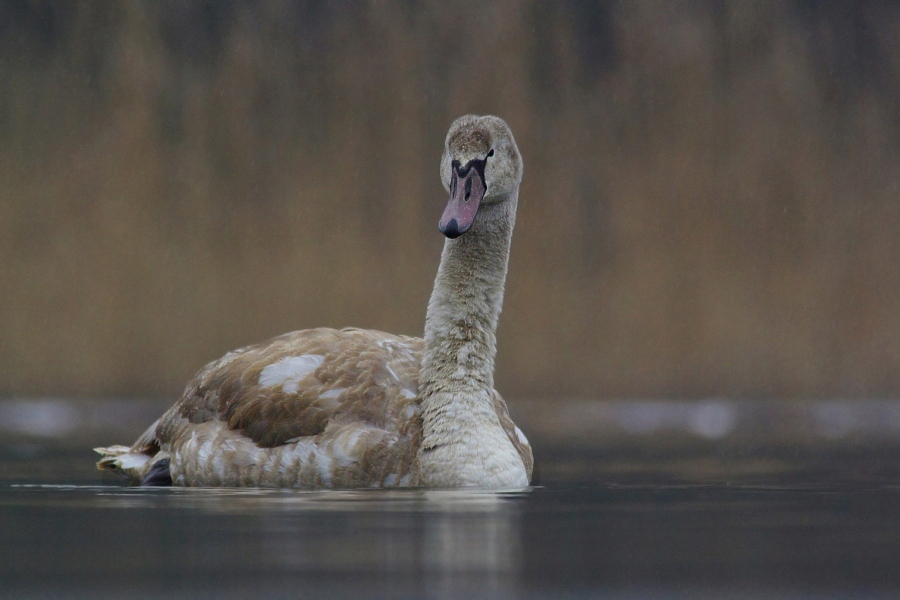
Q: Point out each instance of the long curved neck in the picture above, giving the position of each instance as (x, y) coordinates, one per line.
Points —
(461, 322)
(456, 382)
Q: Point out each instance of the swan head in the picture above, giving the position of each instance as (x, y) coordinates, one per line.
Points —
(481, 166)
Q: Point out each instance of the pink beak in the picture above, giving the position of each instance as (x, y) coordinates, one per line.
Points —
(466, 193)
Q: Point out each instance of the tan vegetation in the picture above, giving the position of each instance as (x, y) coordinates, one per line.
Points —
(710, 203)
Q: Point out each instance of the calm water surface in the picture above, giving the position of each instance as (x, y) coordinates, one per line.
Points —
(699, 522)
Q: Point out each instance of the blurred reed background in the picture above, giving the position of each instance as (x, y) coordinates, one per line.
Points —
(710, 204)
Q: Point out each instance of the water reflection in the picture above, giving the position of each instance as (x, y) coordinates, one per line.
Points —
(802, 538)
(445, 540)
(246, 500)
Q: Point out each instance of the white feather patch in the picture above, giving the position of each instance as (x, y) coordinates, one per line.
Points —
(332, 393)
(391, 371)
(290, 371)
(410, 411)
(132, 461)
(521, 436)
(323, 465)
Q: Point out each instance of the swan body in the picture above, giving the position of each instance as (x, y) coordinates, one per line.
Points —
(323, 408)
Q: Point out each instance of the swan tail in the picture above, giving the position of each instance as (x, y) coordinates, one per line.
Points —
(134, 462)
(124, 460)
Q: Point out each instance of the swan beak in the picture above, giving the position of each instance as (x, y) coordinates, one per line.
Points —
(466, 192)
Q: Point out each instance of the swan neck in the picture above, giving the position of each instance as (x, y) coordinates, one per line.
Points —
(463, 441)
(461, 323)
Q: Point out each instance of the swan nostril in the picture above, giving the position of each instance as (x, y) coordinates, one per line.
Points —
(468, 188)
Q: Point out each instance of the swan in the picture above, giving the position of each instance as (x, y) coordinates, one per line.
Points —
(353, 408)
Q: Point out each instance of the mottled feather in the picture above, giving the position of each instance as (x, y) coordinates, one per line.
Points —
(352, 421)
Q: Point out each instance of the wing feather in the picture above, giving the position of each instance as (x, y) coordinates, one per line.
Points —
(346, 376)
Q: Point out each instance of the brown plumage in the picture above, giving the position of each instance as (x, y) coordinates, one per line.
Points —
(366, 383)
(327, 408)
(367, 370)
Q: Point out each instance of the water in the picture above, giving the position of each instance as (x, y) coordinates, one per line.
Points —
(626, 520)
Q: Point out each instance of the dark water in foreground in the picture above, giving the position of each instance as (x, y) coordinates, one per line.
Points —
(634, 500)
(601, 525)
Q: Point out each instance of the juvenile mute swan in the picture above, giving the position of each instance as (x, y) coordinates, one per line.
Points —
(356, 408)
